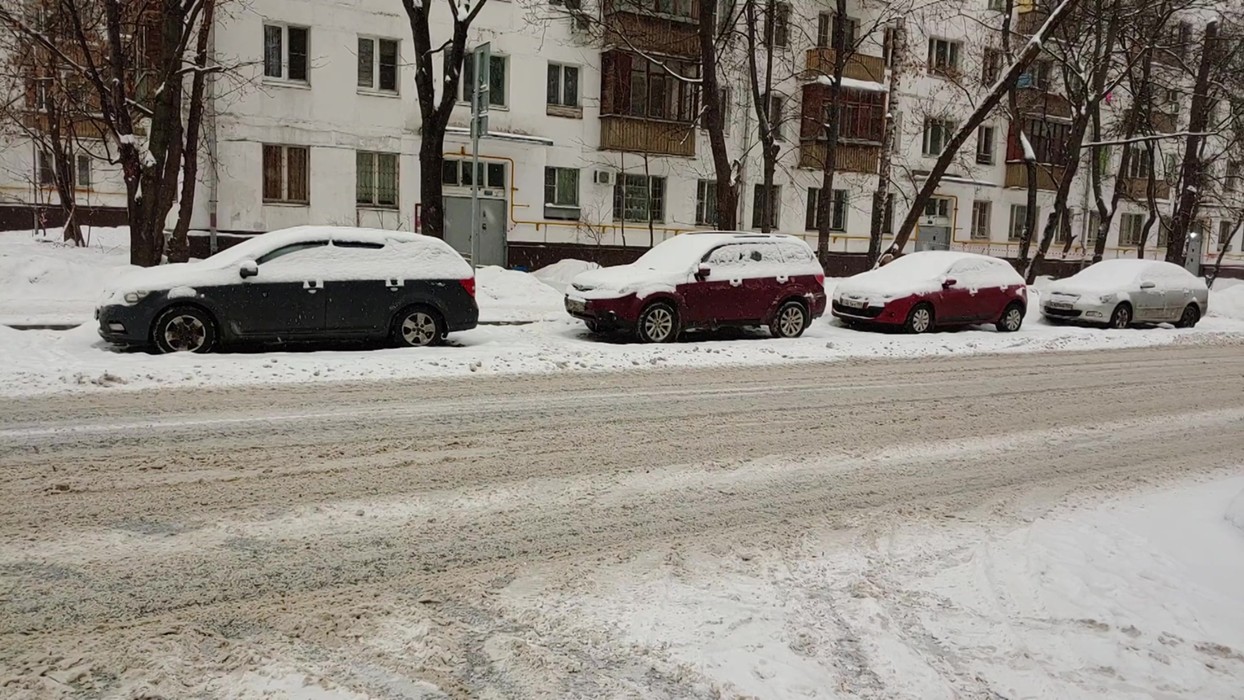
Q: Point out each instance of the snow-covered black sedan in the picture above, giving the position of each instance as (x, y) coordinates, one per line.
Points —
(300, 284)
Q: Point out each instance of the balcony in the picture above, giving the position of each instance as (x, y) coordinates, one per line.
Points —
(1136, 189)
(848, 157)
(1038, 103)
(1162, 122)
(638, 25)
(1048, 176)
(820, 61)
(637, 135)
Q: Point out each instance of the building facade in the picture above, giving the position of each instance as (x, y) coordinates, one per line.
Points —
(594, 143)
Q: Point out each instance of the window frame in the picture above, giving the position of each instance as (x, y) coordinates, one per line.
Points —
(654, 190)
(1223, 236)
(775, 206)
(285, 183)
(1015, 231)
(986, 135)
(777, 28)
(706, 203)
(945, 127)
(825, 30)
(1129, 238)
(559, 102)
(81, 159)
(953, 52)
(981, 230)
(837, 210)
(466, 89)
(374, 201)
(285, 55)
(376, 67)
(554, 208)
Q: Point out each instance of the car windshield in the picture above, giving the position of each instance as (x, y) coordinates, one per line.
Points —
(1110, 272)
(677, 254)
(250, 249)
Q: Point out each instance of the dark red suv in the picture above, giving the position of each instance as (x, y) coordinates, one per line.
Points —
(705, 280)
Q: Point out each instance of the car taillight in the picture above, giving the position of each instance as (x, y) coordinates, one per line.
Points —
(820, 279)
(469, 285)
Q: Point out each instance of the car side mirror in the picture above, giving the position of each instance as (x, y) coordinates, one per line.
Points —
(949, 282)
(1147, 285)
(248, 268)
(702, 272)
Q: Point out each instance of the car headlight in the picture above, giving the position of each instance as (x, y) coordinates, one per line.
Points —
(135, 297)
(1106, 298)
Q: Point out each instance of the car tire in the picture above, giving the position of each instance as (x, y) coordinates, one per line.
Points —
(1012, 318)
(919, 319)
(1121, 317)
(418, 327)
(658, 323)
(184, 329)
(592, 327)
(790, 321)
(1190, 316)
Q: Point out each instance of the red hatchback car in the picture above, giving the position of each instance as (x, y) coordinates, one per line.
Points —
(705, 280)
(934, 289)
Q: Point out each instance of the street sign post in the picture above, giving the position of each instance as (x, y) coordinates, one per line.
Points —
(481, 63)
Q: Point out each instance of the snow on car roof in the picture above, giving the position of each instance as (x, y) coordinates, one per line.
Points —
(257, 245)
(682, 250)
(924, 264)
(921, 272)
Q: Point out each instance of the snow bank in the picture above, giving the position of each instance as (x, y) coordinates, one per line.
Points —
(1235, 511)
(511, 296)
(43, 280)
(559, 274)
(1227, 303)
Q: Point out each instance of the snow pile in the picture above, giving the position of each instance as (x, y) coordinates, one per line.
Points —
(45, 281)
(918, 273)
(506, 296)
(559, 274)
(1228, 302)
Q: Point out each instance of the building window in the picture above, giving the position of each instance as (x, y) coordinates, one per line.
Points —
(82, 173)
(1130, 227)
(670, 8)
(563, 86)
(984, 145)
(777, 27)
(633, 86)
(1037, 76)
(887, 47)
(1232, 182)
(285, 174)
(937, 133)
(997, 5)
(943, 57)
(991, 67)
(937, 207)
(285, 52)
(561, 193)
(837, 210)
(47, 171)
(639, 198)
(1164, 230)
(777, 117)
(496, 79)
(825, 30)
(456, 172)
(706, 203)
(377, 67)
(980, 220)
(375, 179)
(1094, 226)
(1138, 163)
(725, 110)
(1225, 229)
(758, 200)
(1019, 215)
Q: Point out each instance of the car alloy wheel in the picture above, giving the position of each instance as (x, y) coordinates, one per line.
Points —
(791, 320)
(920, 319)
(1122, 316)
(1190, 316)
(419, 329)
(657, 324)
(1012, 319)
(184, 329)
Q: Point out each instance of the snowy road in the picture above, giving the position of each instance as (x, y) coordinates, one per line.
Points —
(431, 538)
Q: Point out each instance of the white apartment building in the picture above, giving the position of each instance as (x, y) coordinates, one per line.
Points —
(594, 147)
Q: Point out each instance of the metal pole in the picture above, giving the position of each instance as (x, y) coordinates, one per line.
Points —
(475, 108)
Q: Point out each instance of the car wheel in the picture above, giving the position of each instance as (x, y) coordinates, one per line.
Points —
(185, 329)
(791, 320)
(919, 319)
(1012, 318)
(419, 327)
(1190, 316)
(592, 326)
(657, 324)
(1122, 316)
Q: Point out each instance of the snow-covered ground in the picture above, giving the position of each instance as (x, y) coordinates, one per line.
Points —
(1138, 597)
(47, 282)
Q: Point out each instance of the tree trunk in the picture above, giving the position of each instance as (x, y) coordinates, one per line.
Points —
(1054, 220)
(726, 214)
(978, 116)
(1138, 119)
(763, 103)
(1223, 246)
(1193, 171)
(829, 164)
(179, 245)
(1030, 164)
(881, 196)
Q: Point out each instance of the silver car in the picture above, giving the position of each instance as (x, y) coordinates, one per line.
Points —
(1119, 293)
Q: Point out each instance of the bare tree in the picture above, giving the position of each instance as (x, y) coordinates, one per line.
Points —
(1192, 174)
(433, 112)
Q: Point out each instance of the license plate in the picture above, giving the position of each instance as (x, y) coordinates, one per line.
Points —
(855, 303)
(575, 306)
(1059, 305)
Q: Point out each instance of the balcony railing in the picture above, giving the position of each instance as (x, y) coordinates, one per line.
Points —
(820, 61)
(635, 135)
(1136, 189)
(848, 157)
(1048, 176)
(633, 25)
